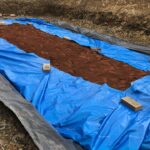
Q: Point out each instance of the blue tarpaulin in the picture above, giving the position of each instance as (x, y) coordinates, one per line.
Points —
(135, 59)
(86, 112)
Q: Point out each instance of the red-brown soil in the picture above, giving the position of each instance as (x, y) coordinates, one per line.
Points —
(71, 57)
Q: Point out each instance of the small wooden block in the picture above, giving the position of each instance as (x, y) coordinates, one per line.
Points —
(67, 38)
(95, 49)
(131, 103)
(46, 67)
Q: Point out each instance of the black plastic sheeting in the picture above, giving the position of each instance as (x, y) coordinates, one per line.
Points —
(43, 135)
(113, 40)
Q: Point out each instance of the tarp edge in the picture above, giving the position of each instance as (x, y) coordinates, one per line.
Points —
(47, 138)
(110, 39)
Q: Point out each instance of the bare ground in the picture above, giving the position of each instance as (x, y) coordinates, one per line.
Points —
(13, 136)
(126, 19)
(130, 32)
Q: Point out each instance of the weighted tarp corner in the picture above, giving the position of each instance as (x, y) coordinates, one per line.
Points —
(88, 113)
(120, 53)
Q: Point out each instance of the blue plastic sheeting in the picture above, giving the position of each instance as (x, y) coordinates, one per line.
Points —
(140, 121)
(135, 59)
(89, 113)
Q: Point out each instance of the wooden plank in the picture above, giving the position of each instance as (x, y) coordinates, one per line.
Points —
(131, 103)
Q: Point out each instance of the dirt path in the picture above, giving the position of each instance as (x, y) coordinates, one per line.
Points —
(71, 57)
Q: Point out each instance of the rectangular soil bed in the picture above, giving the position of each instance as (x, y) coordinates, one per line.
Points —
(71, 57)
